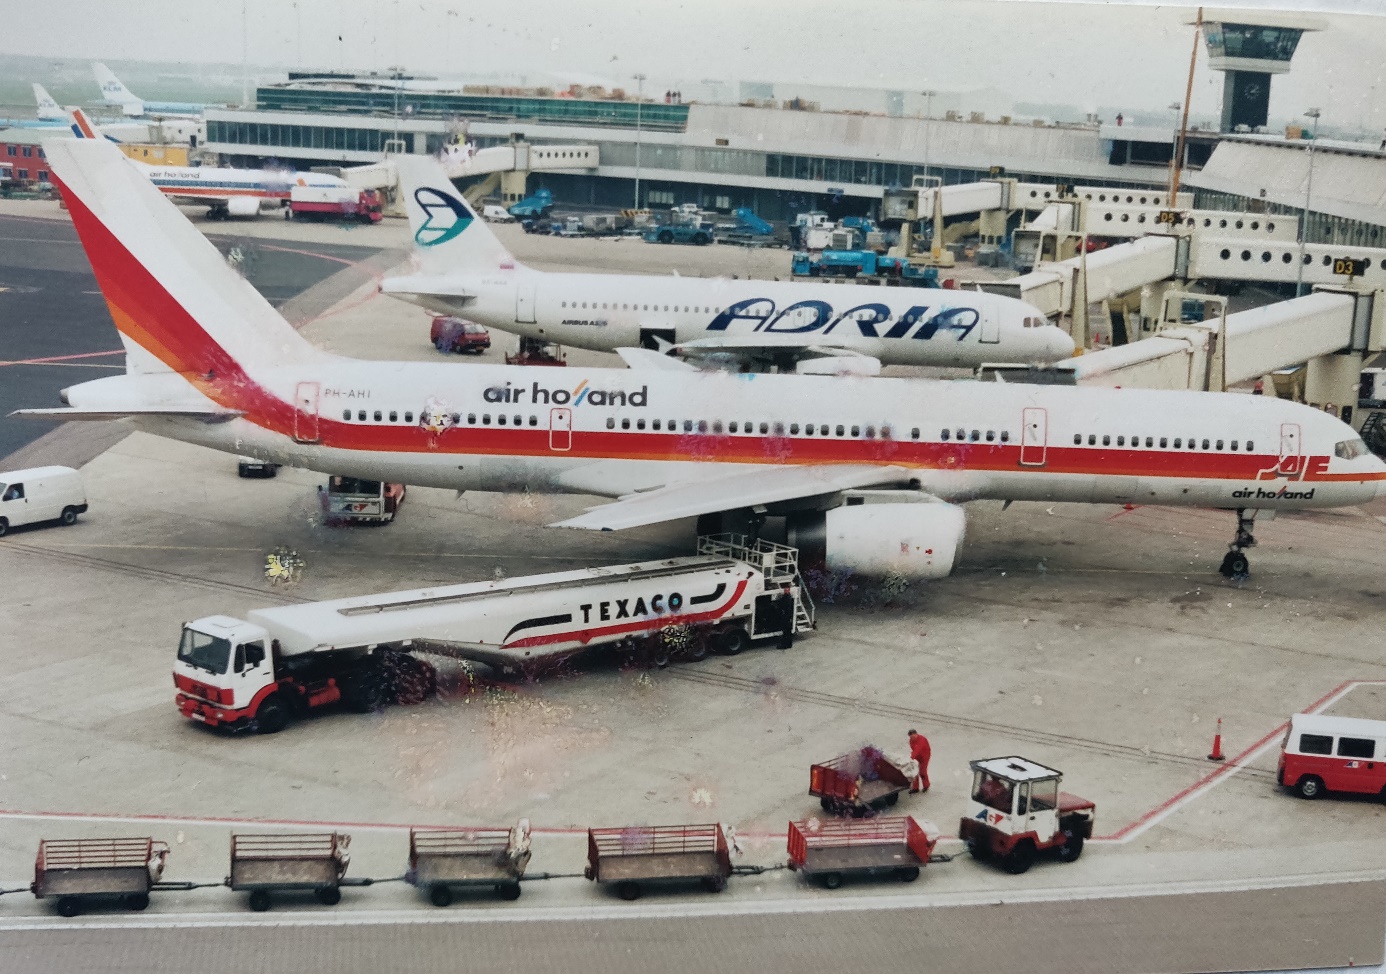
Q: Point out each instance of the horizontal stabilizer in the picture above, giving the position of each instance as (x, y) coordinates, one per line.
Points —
(649, 359)
(206, 415)
(753, 487)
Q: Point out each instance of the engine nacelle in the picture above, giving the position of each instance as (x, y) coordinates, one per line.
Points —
(916, 540)
(243, 206)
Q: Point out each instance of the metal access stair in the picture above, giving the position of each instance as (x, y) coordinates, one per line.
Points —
(779, 562)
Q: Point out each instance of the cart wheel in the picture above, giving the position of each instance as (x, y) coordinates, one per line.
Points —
(69, 906)
(832, 880)
(1020, 857)
(509, 890)
(827, 805)
(137, 901)
(907, 874)
(440, 894)
(714, 884)
(328, 895)
(259, 900)
(1072, 847)
(892, 798)
(628, 890)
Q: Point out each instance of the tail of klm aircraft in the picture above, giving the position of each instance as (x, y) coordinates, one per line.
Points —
(448, 233)
(177, 304)
(114, 92)
(47, 107)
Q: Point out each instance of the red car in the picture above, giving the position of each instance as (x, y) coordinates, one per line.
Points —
(450, 334)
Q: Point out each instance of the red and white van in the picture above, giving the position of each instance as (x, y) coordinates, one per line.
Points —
(1322, 753)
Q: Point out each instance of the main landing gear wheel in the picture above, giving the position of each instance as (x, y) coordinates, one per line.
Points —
(1235, 564)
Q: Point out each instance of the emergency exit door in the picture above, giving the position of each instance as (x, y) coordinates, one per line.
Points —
(1034, 437)
(306, 413)
(1291, 460)
(991, 328)
(524, 302)
(560, 429)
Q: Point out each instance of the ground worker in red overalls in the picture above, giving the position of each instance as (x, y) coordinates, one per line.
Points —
(920, 751)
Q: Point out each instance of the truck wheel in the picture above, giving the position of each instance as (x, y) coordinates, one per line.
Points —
(700, 239)
(628, 890)
(907, 874)
(714, 884)
(440, 894)
(1310, 786)
(832, 880)
(328, 895)
(137, 901)
(660, 656)
(272, 718)
(665, 237)
(697, 648)
(509, 891)
(979, 851)
(69, 517)
(1072, 847)
(1020, 857)
(734, 641)
(892, 798)
(827, 805)
(4, 526)
(69, 906)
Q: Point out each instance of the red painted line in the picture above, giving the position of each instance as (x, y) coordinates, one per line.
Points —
(311, 253)
(62, 358)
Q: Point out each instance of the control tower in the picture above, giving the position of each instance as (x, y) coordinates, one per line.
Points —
(1249, 46)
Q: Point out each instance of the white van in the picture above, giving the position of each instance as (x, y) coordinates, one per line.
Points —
(40, 494)
(492, 213)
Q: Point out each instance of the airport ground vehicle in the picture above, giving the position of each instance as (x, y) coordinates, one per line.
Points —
(79, 871)
(263, 865)
(750, 230)
(40, 494)
(1322, 753)
(334, 203)
(535, 206)
(532, 351)
(857, 783)
(1021, 813)
(634, 856)
(277, 663)
(494, 213)
(250, 467)
(449, 334)
(443, 859)
(350, 500)
(828, 851)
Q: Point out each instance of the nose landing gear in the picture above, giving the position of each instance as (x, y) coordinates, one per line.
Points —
(1235, 564)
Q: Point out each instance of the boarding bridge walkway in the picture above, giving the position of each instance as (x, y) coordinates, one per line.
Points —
(519, 156)
(965, 198)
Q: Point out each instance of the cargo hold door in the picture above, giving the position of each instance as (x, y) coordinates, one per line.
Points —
(525, 295)
(560, 429)
(1034, 437)
(306, 413)
(1291, 461)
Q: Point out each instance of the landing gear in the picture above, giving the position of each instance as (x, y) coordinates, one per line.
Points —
(1235, 564)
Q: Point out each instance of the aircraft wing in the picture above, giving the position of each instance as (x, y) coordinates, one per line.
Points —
(769, 348)
(753, 487)
(648, 358)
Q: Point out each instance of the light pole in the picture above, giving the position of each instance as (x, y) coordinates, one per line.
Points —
(928, 116)
(639, 99)
(1308, 190)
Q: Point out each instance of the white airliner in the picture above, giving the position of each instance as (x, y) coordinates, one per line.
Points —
(465, 270)
(114, 92)
(48, 109)
(225, 192)
(869, 471)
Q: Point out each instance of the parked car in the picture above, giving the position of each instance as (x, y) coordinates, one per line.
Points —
(40, 494)
(450, 334)
(250, 467)
(492, 213)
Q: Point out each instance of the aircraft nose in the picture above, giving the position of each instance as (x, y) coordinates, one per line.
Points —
(1059, 345)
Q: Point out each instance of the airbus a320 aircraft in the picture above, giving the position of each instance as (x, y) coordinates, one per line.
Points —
(209, 361)
(465, 270)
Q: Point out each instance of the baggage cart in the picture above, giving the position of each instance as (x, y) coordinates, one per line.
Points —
(441, 859)
(75, 871)
(859, 783)
(266, 864)
(828, 851)
(640, 854)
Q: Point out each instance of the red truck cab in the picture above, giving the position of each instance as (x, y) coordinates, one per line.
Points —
(450, 334)
(1344, 754)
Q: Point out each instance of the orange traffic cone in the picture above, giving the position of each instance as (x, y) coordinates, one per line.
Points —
(1217, 754)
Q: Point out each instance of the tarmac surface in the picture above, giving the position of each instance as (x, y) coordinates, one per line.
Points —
(1098, 640)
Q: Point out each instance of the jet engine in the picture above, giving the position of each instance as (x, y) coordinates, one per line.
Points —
(243, 206)
(914, 538)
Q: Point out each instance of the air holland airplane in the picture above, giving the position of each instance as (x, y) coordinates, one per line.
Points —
(465, 270)
(226, 192)
(868, 471)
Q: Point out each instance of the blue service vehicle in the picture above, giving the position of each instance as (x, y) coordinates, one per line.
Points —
(535, 206)
(863, 264)
(668, 233)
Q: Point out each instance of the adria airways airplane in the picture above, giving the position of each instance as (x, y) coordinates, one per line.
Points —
(869, 471)
(827, 328)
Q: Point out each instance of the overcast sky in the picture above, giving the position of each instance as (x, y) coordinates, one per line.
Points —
(1118, 53)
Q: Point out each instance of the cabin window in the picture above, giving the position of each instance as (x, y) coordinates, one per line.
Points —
(1077, 439)
(976, 435)
(764, 428)
(500, 419)
(1092, 439)
(856, 431)
(1106, 441)
(914, 433)
(639, 424)
(779, 429)
(1177, 442)
(1205, 444)
(841, 430)
(702, 426)
(361, 417)
(346, 415)
(1219, 445)
(731, 427)
(471, 418)
(1248, 446)
(991, 436)
(534, 421)
(394, 416)
(625, 424)
(944, 436)
(1005, 436)
(793, 429)
(1164, 442)
(1234, 446)
(1121, 441)
(688, 425)
(808, 429)
(717, 426)
(485, 419)
(377, 415)
(1149, 442)
(870, 432)
(409, 417)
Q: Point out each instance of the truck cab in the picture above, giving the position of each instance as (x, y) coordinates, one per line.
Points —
(223, 666)
(350, 499)
(1020, 812)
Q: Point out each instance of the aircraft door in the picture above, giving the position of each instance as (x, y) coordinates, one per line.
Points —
(1291, 459)
(991, 327)
(306, 413)
(525, 296)
(1034, 437)
(560, 429)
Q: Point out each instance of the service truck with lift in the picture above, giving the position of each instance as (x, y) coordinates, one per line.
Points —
(278, 663)
(1020, 813)
(334, 203)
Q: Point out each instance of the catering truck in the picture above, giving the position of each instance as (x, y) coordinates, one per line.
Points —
(259, 672)
(334, 203)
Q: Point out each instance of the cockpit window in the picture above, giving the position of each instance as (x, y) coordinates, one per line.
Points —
(210, 653)
(1350, 449)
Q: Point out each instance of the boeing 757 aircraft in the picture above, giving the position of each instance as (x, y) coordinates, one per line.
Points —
(465, 270)
(209, 361)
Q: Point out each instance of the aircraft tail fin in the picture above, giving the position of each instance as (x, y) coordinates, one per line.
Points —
(47, 107)
(448, 233)
(80, 124)
(178, 305)
(113, 90)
